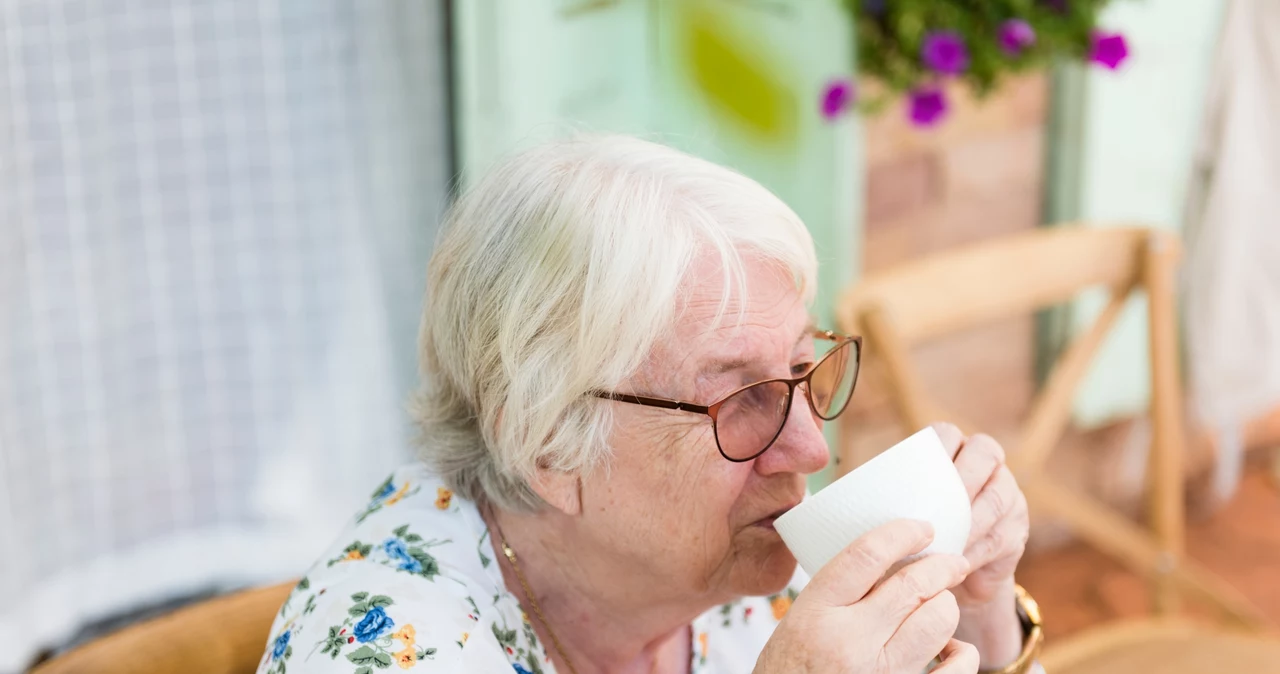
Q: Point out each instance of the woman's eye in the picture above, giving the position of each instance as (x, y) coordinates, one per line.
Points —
(800, 368)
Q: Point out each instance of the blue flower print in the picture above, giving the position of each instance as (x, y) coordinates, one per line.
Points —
(282, 642)
(396, 549)
(520, 668)
(386, 490)
(411, 565)
(374, 624)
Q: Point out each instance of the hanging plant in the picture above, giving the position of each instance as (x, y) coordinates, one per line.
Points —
(912, 48)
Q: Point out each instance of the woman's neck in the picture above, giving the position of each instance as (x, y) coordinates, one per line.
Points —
(602, 619)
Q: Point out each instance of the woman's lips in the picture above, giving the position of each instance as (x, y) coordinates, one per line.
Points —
(767, 521)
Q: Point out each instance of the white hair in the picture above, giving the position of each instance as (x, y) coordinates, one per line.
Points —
(554, 276)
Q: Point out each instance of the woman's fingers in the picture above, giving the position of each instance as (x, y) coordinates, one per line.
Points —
(977, 461)
(997, 499)
(912, 586)
(951, 436)
(923, 635)
(958, 658)
(850, 575)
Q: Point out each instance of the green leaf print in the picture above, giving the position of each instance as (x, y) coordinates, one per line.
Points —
(504, 637)
(530, 635)
(384, 489)
(358, 609)
(382, 660)
(401, 530)
(484, 561)
(333, 643)
(412, 538)
(368, 511)
(430, 567)
(363, 655)
(300, 587)
(380, 600)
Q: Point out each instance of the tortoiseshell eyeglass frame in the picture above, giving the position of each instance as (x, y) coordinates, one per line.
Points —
(713, 410)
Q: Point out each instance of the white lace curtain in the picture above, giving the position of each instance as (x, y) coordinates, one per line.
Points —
(214, 221)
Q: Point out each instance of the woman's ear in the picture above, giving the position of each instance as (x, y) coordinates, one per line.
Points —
(561, 490)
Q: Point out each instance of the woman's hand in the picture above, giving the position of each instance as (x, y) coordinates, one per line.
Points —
(996, 541)
(847, 620)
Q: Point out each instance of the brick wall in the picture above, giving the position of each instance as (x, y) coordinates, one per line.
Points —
(979, 175)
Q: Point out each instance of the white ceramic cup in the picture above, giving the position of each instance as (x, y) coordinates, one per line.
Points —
(914, 479)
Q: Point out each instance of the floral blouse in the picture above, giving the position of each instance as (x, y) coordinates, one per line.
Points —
(412, 584)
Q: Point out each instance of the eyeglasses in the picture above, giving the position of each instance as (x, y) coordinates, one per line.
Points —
(750, 419)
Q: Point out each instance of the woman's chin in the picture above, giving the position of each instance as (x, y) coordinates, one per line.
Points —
(765, 570)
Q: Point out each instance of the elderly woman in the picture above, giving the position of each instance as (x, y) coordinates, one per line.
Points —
(623, 390)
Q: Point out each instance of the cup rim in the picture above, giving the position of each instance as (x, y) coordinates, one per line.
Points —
(910, 442)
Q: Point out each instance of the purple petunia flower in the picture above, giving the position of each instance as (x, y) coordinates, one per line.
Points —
(927, 106)
(1015, 36)
(1109, 49)
(838, 95)
(944, 52)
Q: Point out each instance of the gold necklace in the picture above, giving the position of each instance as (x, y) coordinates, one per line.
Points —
(537, 610)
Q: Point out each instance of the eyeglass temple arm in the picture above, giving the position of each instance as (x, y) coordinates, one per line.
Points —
(655, 402)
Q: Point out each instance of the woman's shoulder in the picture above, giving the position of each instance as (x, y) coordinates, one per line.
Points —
(410, 581)
(414, 524)
(370, 618)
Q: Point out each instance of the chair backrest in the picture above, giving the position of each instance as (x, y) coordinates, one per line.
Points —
(952, 291)
(225, 635)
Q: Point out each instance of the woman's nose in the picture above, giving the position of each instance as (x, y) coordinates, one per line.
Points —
(800, 447)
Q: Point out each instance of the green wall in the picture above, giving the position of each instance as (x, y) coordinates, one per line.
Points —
(1121, 149)
(736, 82)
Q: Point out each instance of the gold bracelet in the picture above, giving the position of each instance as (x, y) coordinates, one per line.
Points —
(1032, 635)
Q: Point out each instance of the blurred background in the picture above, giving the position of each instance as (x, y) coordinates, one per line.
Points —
(215, 217)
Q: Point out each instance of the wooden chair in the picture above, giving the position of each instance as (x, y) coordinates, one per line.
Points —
(225, 635)
(1014, 276)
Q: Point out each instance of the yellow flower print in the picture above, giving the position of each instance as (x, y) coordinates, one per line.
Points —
(702, 643)
(395, 498)
(780, 604)
(353, 555)
(465, 636)
(443, 497)
(406, 634)
(406, 658)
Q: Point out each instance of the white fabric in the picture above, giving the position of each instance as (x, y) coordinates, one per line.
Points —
(214, 220)
(424, 561)
(1232, 282)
